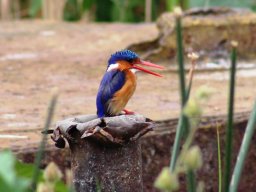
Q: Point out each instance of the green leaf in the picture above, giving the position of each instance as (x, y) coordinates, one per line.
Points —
(4, 186)
(9, 180)
(21, 185)
(26, 170)
(6, 167)
(61, 187)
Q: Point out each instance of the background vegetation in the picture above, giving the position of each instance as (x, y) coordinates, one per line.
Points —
(117, 10)
(134, 10)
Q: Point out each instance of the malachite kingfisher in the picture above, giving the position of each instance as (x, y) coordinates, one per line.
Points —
(119, 82)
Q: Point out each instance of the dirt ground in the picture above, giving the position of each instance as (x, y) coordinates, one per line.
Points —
(36, 56)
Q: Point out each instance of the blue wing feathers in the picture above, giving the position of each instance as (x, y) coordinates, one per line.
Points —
(112, 82)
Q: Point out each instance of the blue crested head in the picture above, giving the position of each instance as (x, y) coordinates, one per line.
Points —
(125, 54)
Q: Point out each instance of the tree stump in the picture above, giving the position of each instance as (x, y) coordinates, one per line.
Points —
(106, 152)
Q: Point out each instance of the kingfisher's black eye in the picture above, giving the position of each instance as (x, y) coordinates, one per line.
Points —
(130, 60)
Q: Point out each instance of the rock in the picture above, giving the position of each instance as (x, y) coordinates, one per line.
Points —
(206, 31)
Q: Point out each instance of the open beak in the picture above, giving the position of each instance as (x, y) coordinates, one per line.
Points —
(146, 63)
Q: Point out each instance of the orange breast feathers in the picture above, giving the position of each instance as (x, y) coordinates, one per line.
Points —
(121, 97)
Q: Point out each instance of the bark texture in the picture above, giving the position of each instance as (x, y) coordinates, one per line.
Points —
(108, 168)
(105, 152)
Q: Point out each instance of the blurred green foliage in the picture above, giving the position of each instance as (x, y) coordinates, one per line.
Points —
(131, 10)
(121, 10)
(16, 176)
(72, 10)
(10, 180)
(35, 6)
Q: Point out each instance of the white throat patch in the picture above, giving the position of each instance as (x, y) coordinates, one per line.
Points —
(113, 66)
(134, 70)
(116, 65)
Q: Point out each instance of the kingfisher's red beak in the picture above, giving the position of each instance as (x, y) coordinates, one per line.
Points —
(146, 63)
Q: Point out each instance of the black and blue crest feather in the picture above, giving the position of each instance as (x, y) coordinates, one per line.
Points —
(112, 82)
(126, 55)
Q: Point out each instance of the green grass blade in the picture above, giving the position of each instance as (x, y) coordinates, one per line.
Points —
(243, 151)
(180, 128)
(176, 145)
(229, 128)
(40, 151)
(219, 160)
(191, 181)
(180, 61)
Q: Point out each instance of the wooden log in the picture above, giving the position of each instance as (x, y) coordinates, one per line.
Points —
(105, 153)
(97, 166)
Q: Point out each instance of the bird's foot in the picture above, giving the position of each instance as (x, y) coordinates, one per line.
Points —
(127, 112)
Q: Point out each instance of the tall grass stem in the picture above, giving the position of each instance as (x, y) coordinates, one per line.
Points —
(176, 144)
(40, 151)
(219, 159)
(191, 181)
(249, 132)
(180, 61)
(229, 128)
(181, 125)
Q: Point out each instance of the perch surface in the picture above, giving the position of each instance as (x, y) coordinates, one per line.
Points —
(113, 130)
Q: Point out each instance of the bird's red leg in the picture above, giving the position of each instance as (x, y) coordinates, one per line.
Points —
(127, 112)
